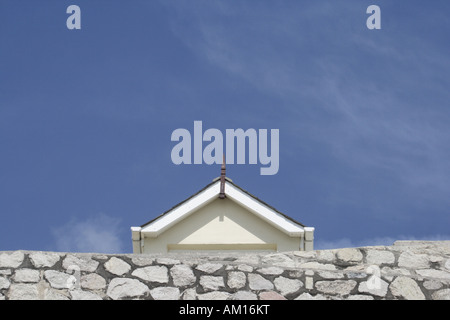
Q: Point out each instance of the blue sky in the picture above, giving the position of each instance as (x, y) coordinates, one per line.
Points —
(86, 115)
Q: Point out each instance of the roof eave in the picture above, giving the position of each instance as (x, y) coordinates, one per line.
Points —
(209, 193)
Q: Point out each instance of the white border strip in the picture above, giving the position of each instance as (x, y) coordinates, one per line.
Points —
(203, 198)
(267, 214)
(211, 193)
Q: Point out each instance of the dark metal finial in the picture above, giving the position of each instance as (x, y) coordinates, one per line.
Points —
(222, 179)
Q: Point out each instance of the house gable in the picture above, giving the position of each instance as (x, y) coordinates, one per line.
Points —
(222, 225)
(210, 193)
(205, 221)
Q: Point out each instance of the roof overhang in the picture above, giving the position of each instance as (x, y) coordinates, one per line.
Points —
(167, 220)
(264, 212)
(278, 220)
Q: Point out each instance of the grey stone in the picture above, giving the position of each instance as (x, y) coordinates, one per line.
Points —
(271, 270)
(93, 281)
(432, 285)
(436, 274)
(26, 275)
(244, 295)
(341, 287)
(189, 294)
(305, 254)
(11, 259)
(44, 259)
(102, 257)
(247, 259)
(122, 288)
(23, 291)
(165, 293)
(317, 266)
(117, 266)
(437, 259)
(286, 286)
(152, 274)
(380, 257)
(5, 272)
(389, 273)
(413, 261)
(44, 289)
(333, 274)
(309, 272)
(84, 295)
(83, 262)
(278, 259)
(447, 264)
(167, 261)
(211, 283)
(51, 294)
(58, 280)
(244, 267)
(142, 261)
(374, 286)
(443, 294)
(257, 282)
(4, 283)
(326, 255)
(407, 288)
(209, 267)
(349, 255)
(271, 295)
(214, 295)
(309, 283)
(182, 275)
(295, 273)
(360, 297)
(308, 296)
(236, 279)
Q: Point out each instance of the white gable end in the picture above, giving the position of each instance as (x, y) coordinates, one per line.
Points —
(207, 222)
(267, 214)
(181, 212)
(211, 193)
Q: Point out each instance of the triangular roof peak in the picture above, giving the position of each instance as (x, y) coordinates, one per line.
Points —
(233, 192)
(218, 178)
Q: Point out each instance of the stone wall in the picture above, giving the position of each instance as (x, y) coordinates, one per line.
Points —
(406, 270)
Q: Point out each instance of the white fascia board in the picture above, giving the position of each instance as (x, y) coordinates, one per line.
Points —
(136, 233)
(309, 233)
(184, 210)
(262, 211)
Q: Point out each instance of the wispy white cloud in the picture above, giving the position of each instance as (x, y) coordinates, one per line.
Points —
(100, 234)
(359, 94)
